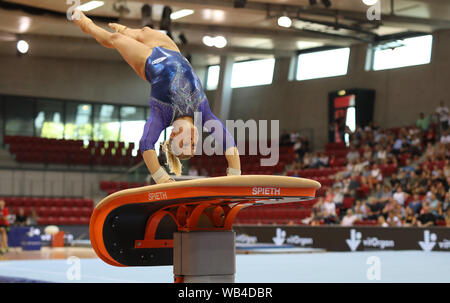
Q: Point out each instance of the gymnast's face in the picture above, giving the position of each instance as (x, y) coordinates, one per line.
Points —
(184, 139)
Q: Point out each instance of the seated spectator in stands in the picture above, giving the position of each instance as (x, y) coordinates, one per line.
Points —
(443, 114)
(367, 152)
(353, 155)
(445, 138)
(360, 209)
(21, 218)
(416, 204)
(338, 196)
(193, 171)
(298, 147)
(315, 161)
(32, 219)
(408, 168)
(386, 194)
(377, 192)
(423, 122)
(435, 205)
(329, 195)
(400, 196)
(389, 207)
(376, 176)
(392, 220)
(349, 218)
(382, 222)
(380, 154)
(332, 161)
(429, 151)
(353, 185)
(285, 138)
(4, 227)
(297, 162)
(307, 160)
(426, 219)
(329, 212)
(375, 209)
(316, 213)
(399, 146)
(323, 160)
(359, 166)
(410, 218)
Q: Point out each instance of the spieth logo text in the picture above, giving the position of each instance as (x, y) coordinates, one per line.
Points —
(157, 196)
(267, 191)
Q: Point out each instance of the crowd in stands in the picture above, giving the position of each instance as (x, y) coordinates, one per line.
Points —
(414, 193)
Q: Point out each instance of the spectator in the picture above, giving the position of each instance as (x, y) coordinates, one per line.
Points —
(426, 219)
(400, 196)
(410, 218)
(285, 138)
(323, 160)
(386, 194)
(443, 114)
(329, 212)
(32, 219)
(21, 218)
(375, 209)
(338, 196)
(416, 204)
(376, 176)
(382, 222)
(360, 210)
(392, 220)
(423, 122)
(349, 218)
(445, 138)
(317, 212)
(4, 227)
(353, 155)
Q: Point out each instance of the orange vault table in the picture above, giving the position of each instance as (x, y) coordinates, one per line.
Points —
(187, 224)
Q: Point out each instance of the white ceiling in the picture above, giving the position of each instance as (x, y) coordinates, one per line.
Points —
(250, 31)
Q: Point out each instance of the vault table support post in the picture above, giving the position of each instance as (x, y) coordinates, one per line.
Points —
(204, 256)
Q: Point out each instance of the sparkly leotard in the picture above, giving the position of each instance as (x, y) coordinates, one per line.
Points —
(176, 92)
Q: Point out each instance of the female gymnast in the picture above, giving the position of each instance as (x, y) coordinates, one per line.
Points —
(176, 95)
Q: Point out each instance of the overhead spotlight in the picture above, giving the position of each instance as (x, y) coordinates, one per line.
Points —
(220, 42)
(284, 21)
(166, 21)
(22, 47)
(327, 3)
(146, 14)
(181, 14)
(90, 6)
(208, 41)
(183, 39)
(370, 2)
(240, 3)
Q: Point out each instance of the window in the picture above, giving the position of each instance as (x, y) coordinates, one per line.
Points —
(106, 122)
(19, 116)
(322, 64)
(48, 121)
(132, 121)
(78, 121)
(212, 80)
(401, 53)
(251, 73)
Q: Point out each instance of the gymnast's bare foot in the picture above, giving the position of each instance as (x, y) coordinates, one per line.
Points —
(83, 21)
(117, 27)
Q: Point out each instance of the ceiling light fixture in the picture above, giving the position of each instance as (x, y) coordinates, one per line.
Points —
(90, 6)
(284, 21)
(370, 2)
(22, 46)
(181, 14)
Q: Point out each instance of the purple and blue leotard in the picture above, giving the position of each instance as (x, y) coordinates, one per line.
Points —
(176, 92)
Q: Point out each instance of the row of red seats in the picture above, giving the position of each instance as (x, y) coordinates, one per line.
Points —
(280, 213)
(56, 211)
(47, 202)
(317, 172)
(63, 221)
(113, 186)
(79, 158)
